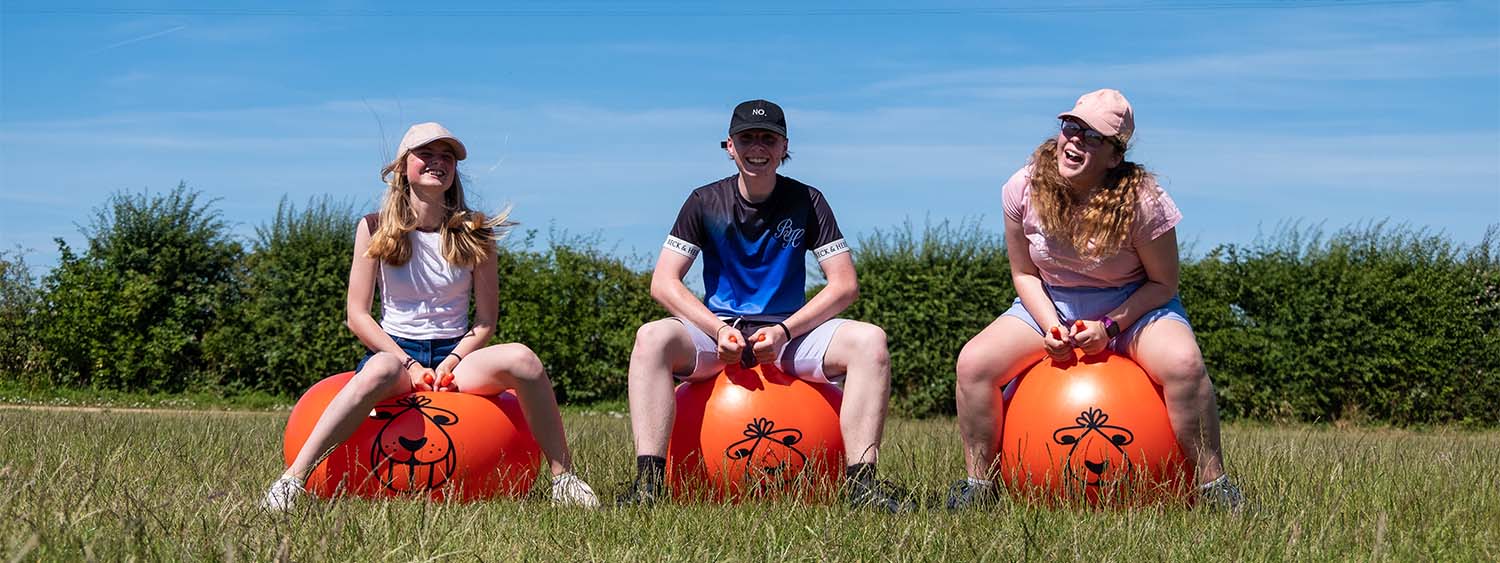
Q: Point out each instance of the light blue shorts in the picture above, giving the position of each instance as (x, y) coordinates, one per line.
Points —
(1092, 303)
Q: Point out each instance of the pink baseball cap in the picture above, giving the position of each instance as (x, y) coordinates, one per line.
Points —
(1106, 111)
(423, 133)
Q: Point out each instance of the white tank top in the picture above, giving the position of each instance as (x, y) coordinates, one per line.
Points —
(427, 298)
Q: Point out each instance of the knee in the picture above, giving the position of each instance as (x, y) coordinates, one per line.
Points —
(1182, 369)
(979, 365)
(869, 341)
(381, 372)
(522, 363)
(986, 362)
(974, 367)
(653, 336)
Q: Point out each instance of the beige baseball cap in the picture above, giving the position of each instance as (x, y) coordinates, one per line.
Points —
(1106, 111)
(423, 133)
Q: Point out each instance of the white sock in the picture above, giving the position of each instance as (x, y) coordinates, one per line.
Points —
(977, 482)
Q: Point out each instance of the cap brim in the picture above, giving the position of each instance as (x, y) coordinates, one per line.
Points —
(459, 151)
(763, 126)
(1105, 130)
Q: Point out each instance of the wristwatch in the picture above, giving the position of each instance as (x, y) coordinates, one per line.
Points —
(1110, 328)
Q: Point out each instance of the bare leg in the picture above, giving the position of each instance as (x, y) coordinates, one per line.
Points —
(381, 378)
(987, 362)
(858, 350)
(661, 348)
(492, 370)
(1168, 352)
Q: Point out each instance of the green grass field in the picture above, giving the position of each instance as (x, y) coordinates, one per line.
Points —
(116, 486)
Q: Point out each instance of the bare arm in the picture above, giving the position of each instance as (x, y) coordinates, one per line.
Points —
(1028, 281)
(1159, 257)
(486, 305)
(362, 272)
(668, 290)
(486, 280)
(842, 289)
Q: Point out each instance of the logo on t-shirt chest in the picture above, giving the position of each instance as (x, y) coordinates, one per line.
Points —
(788, 233)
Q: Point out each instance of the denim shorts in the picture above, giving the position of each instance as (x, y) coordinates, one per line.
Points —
(429, 353)
(1092, 303)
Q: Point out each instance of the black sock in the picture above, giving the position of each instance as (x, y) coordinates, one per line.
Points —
(651, 467)
(861, 472)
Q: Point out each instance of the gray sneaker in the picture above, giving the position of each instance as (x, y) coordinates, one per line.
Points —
(964, 495)
(1222, 495)
(282, 495)
(877, 495)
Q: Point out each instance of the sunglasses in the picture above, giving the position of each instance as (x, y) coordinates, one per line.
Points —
(1091, 138)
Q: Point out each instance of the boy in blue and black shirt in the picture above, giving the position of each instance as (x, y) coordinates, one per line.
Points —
(754, 230)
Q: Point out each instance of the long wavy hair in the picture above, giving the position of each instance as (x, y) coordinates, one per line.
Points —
(1095, 227)
(469, 237)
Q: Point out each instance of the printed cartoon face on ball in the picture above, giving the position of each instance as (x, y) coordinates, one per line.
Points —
(408, 458)
(770, 453)
(1096, 451)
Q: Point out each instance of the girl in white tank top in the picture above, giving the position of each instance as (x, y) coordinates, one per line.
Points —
(430, 253)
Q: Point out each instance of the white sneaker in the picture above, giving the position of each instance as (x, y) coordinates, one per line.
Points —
(282, 495)
(570, 490)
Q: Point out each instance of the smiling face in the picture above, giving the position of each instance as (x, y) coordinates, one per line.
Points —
(1084, 156)
(757, 152)
(431, 167)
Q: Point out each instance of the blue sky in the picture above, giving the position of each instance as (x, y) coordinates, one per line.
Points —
(600, 117)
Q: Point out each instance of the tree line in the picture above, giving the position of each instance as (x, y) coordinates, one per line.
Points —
(1373, 322)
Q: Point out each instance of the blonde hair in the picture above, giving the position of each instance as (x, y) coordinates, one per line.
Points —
(1098, 226)
(469, 237)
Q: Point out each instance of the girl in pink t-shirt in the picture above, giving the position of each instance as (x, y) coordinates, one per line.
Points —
(1092, 242)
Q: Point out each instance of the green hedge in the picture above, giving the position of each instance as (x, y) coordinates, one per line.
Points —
(1374, 323)
(578, 308)
(131, 312)
(931, 291)
(287, 330)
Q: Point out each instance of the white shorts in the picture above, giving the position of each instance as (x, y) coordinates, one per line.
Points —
(801, 358)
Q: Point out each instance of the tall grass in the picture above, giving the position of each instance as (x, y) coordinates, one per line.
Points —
(183, 486)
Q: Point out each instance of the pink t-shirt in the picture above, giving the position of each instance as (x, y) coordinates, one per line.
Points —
(1061, 266)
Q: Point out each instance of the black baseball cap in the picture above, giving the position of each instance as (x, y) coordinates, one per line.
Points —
(758, 114)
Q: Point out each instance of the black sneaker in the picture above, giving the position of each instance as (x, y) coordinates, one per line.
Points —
(643, 492)
(1222, 495)
(881, 496)
(964, 495)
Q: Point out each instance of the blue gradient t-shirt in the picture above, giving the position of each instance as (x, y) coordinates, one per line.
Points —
(754, 253)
